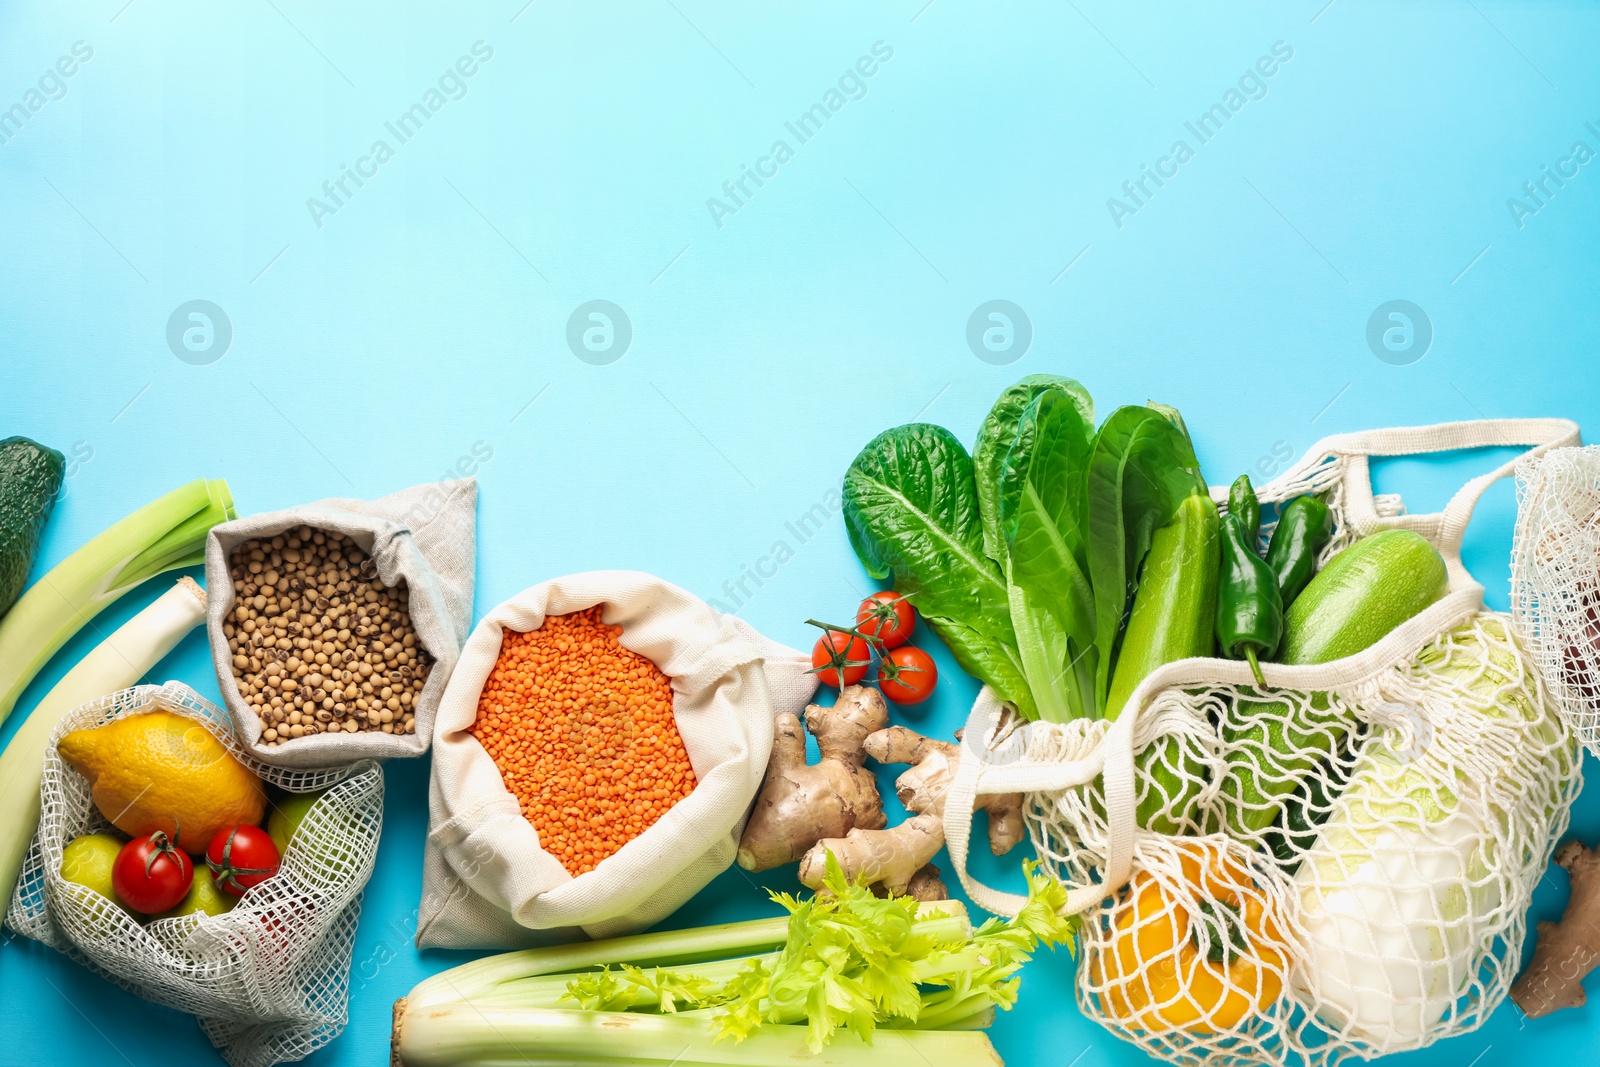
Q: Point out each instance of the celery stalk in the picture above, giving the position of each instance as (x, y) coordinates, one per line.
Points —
(669, 948)
(551, 990)
(165, 534)
(470, 1035)
(819, 986)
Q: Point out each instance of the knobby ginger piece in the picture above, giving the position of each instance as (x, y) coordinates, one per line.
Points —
(894, 857)
(801, 804)
(1567, 951)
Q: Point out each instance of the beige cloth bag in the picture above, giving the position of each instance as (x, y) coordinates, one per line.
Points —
(425, 536)
(486, 881)
(1398, 918)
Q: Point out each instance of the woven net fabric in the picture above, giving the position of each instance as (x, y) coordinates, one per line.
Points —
(1302, 875)
(269, 980)
(1555, 578)
(1375, 907)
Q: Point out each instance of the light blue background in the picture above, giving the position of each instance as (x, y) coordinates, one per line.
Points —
(429, 312)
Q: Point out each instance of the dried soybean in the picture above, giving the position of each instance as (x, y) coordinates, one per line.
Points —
(318, 644)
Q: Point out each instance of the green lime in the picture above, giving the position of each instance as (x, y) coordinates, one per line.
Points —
(88, 860)
(203, 896)
(288, 812)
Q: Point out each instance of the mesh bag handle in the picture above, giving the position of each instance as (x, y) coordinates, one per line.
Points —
(1112, 755)
(1444, 528)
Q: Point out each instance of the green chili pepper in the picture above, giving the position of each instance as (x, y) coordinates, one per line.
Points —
(1249, 609)
(1242, 504)
(1304, 526)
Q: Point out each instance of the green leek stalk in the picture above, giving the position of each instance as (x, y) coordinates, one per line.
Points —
(166, 534)
(1174, 617)
(115, 664)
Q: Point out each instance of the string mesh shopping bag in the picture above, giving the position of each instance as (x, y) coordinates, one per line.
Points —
(1555, 578)
(1334, 866)
(269, 980)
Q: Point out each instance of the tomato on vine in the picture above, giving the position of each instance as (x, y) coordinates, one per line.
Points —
(151, 874)
(888, 617)
(840, 658)
(907, 675)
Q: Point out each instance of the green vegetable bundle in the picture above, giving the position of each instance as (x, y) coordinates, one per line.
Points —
(835, 974)
(1024, 555)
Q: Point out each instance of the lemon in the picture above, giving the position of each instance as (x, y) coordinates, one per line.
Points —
(161, 771)
(203, 896)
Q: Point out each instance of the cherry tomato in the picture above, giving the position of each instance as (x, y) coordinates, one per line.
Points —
(840, 659)
(241, 857)
(887, 616)
(151, 874)
(907, 675)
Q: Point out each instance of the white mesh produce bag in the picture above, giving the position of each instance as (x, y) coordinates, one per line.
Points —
(269, 980)
(487, 883)
(1555, 578)
(1378, 908)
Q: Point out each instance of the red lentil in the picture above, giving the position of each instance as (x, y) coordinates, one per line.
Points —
(583, 734)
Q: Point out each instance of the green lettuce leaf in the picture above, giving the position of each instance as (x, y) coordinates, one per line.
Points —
(1141, 469)
(996, 437)
(1044, 516)
(911, 509)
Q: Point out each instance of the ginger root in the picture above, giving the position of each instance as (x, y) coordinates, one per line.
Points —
(890, 858)
(1567, 951)
(927, 885)
(800, 804)
(896, 857)
(932, 767)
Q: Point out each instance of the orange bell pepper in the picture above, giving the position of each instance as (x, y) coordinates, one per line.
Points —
(1200, 957)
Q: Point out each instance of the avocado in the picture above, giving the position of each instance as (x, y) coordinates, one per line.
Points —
(30, 477)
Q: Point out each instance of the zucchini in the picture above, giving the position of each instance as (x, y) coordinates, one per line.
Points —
(30, 479)
(1175, 610)
(1358, 598)
(1364, 592)
(1174, 617)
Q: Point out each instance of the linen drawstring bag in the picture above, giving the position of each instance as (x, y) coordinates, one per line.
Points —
(486, 881)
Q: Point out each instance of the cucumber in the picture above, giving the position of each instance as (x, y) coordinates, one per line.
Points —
(30, 477)
(1363, 593)
(1357, 599)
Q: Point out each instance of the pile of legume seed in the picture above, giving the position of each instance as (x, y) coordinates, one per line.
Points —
(318, 644)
